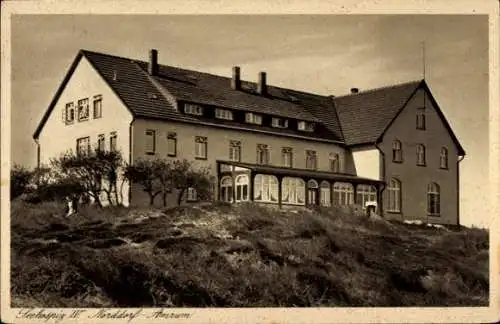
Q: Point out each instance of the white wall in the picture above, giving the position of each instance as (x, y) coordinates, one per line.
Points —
(367, 162)
(56, 137)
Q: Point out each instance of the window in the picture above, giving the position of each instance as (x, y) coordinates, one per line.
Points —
(266, 188)
(394, 196)
(312, 192)
(262, 154)
(241, 187)
(279, 122)
(235, 151)
(420, 155)
(325, 196)
(226, 189)
(172, 144)
(83, 146)
(305, 126)
(287, 156)
(69, 113)
(397, 152)
(311, 160)
(293, 191)
(83, 109)
(192, 195)
(433, 199)
(150, 141)
(223, 114)
(100, 143)
(200, 148)
(421, 119)
(253, 118)
(343, 193)
(193, 109)
(443, 159)
(334, 162)
(112, 141)
(98, 106)
(364, 194)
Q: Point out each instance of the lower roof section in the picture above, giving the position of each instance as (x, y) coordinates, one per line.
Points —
(301, 173)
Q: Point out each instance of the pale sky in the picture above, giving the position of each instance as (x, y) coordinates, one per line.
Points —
(327, 54)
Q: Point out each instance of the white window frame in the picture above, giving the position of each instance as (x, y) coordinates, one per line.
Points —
(201, 148)
(266, 188)
(172, 144)
(279, 122)
(97, 107)
(311, 160)
(113, 142)
(101, 143)
(397, 151)
(241, 182)
(83, 146)
(235, 151)
(334, 162)
(433, 199)
(365, 193)
(305, 126)
(253, 118)
(325, 194)
(394, 196)
(287, 157)
(262, 154)
(343, 193)
(69, 113)
(223, 114)
(226, 183)
(293, 191)
(193, 109)
(150, 148)
(83, 109)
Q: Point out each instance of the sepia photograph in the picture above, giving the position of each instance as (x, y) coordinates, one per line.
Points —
(186, 161)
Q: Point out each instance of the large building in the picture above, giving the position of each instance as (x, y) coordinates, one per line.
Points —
(391, 145)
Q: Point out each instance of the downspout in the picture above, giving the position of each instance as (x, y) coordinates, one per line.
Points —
(382, 171)
(37, 152)
(130, 145)
(460, 159)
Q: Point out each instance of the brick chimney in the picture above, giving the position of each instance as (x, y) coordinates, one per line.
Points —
(153, 62)
(262, 86)
(236, 79)
(354, 90)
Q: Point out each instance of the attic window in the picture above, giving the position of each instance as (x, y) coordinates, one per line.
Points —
(193, 109)
(305, 126)
(223, 114)
(279, 122)
(252, 118)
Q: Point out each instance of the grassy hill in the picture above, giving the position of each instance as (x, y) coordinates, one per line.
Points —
(216, 255)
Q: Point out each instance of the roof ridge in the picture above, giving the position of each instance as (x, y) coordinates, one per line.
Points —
(417, 81)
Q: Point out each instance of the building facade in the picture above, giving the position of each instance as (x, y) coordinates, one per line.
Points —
(391, 145)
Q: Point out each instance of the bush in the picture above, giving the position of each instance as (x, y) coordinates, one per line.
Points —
(20, 178)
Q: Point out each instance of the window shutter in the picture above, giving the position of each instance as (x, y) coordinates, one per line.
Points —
(64, 114)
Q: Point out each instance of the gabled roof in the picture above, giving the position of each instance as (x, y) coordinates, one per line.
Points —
(354, 119)
(144, 95)
(366, 116)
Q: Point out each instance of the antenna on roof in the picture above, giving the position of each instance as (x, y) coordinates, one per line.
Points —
(423, 60)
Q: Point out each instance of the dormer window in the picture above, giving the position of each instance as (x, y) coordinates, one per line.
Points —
(305, 126)
(279, 122)
(193, 109)
(252, 118)
(223, 114)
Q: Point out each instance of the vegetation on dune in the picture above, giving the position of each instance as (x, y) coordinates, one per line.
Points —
(219, 255)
